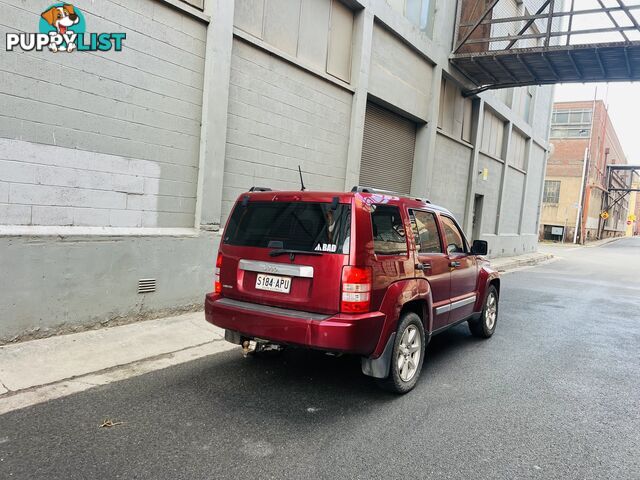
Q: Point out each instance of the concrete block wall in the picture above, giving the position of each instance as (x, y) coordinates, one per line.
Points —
(52, 284)
(451, 161)
(50, 185)
(281, 116)
(108, 139)
(535, 171)
(513, 204)
(399, 75)
(490, 188)
(542, 114)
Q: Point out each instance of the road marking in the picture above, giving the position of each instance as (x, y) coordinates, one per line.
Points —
(33, 396)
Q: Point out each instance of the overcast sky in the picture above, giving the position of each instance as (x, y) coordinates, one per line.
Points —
(623, 100)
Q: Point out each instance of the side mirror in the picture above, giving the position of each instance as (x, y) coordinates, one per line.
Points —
(480, 247)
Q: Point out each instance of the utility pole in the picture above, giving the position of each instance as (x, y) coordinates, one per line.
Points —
(585, 175)
(581, 196)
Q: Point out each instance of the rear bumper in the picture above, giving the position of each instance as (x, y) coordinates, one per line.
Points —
(357, 334)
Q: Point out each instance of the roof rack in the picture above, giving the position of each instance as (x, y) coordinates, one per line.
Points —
(362, 189)
(260, 189)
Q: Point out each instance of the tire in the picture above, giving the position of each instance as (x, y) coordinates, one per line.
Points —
(408, 349)
(485, 326)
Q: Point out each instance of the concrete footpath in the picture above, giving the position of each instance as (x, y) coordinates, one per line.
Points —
(506, 264)
(40, 370)
(548, 246)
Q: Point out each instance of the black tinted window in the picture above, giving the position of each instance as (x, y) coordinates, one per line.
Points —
(298, 226)
(453, 236)
(389, 236)
(427, 238)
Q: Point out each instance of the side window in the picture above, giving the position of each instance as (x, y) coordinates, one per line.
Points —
(389, 237)
(426, 232)
(453, 236)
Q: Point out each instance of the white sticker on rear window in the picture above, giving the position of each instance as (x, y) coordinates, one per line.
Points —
(326, 247)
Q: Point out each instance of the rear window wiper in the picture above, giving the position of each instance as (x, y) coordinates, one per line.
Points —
(288, 251)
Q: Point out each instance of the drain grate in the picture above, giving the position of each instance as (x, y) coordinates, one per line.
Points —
(146, 285)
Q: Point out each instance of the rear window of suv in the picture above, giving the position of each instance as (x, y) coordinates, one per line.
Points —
(305, 226)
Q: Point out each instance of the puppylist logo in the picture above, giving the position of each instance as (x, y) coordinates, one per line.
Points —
(62, 28)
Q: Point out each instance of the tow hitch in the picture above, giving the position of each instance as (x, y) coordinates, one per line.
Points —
(254, 347)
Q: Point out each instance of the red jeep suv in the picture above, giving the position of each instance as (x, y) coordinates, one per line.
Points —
(368, 272)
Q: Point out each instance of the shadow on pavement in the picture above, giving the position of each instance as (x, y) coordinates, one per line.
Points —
(298, 380)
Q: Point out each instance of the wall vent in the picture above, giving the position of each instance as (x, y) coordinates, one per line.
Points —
(146, 285)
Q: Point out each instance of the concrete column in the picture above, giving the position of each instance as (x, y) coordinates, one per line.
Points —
(361, 64)
(215, 100)
(472, 180)
(527, 179)
(506, 149)
(426, 140)
(421, 159)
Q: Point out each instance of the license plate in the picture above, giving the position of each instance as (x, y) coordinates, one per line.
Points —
(273, 283)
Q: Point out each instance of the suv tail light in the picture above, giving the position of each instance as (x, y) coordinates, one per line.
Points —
(217, 287)
(356, 289)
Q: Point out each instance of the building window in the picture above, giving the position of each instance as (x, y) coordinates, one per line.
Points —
(455, 117)
(316, 32)
(563, 132)
(522, 99)
(551, 191)
(571, 116)
(518, 151)
(340, 37)
(417, 12)
(571, 123)
(492, 135)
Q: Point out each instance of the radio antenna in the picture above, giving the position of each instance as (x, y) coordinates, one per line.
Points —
(301, 180)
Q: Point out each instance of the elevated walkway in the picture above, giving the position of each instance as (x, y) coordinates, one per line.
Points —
(556, 44)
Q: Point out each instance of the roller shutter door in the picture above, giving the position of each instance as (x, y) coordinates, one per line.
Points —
(387, 150)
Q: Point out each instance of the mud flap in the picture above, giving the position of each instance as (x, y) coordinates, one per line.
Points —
(379, 367)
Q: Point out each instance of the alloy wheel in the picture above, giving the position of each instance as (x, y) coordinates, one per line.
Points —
(491, 311)
(409, 352)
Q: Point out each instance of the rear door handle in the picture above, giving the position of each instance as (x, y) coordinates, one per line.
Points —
(423, 266)
(454, 264)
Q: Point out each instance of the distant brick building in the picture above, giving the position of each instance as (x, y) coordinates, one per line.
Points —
(581, 131)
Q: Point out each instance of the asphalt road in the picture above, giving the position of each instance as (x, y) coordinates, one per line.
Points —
(554, 394)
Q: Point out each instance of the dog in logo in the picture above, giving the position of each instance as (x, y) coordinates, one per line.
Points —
(61, 18)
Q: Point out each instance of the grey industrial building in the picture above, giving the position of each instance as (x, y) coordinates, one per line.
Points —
(119, 168)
